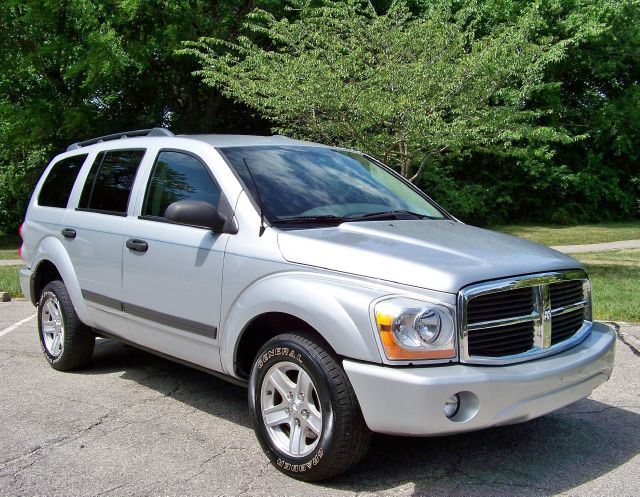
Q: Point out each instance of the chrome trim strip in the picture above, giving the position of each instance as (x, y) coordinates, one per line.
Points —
(534, 353)
(545, 295)
(538, 328)
(504, 322)
(568, 308)
(542, 324)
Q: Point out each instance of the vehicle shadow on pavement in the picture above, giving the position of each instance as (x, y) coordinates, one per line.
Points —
(549, 455)
(195, 388)
(545, 456)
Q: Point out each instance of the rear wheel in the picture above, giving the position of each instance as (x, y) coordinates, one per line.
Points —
(66, 343)
(304, 410)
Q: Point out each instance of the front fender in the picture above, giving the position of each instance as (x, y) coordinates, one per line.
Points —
(333, 306)
(51, 249)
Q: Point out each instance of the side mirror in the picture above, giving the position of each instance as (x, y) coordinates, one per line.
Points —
(196, 213)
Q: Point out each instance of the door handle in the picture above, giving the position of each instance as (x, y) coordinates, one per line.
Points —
(137, 245)
(68, 233)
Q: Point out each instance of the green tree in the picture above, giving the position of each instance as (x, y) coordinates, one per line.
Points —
(501, 109)
(74, 69)
(593, 93)
(408, 89)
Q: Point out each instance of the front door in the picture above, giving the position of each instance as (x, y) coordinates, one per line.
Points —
(172, 274)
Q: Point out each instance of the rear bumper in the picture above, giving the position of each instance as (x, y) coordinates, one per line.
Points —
(410, 401)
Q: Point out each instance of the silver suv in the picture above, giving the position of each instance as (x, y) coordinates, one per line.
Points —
(343, 297)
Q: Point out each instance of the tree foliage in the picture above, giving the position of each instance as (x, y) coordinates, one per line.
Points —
(74, 69)
(500, 109)
(408, 89)
(444, 90)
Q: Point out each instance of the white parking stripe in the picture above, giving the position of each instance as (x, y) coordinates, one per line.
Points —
(16, 325)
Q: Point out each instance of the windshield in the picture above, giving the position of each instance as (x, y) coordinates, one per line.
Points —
(318, 185)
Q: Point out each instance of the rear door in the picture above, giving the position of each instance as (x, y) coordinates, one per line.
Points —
(94, 234)
(172, 274)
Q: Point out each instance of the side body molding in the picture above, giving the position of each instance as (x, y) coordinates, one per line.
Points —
(333, 306)
(51, 249)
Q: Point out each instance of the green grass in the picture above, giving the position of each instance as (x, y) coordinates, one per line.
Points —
(9, 246)
(9, 280)
(615, 276)
(575, 235)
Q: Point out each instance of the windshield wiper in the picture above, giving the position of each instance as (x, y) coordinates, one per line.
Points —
(394, 214)
(331, 219)
(321, 219)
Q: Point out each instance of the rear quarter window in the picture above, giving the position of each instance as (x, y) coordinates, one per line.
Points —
(57, 186)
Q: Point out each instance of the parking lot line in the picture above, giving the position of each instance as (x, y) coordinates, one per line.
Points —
(16, 325)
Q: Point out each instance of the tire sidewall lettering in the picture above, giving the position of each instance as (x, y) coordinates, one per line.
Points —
(279, 351)
(301, 468)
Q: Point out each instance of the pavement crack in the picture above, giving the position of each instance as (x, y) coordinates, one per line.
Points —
(207, 461)
(109, 490)
(57, 442)
(623, 338)
(6, 462)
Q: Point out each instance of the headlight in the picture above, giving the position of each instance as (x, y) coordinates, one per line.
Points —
(410, 329)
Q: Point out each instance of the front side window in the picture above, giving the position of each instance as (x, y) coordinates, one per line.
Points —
(178, 176)
(56, 189)
(110, 180)
(321, 185)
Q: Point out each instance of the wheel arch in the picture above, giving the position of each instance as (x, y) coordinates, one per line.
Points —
(44, 273)
(264, 327)
(51, 261)
(335, 313)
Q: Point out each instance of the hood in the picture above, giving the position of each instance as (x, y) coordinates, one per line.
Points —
(437, 255)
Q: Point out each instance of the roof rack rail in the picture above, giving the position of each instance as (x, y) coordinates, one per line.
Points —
(117, 136)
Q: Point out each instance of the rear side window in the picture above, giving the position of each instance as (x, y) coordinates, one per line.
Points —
(178, 176)
(57, 186)
(109, 183)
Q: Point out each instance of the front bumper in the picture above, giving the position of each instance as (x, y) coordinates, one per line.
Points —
(410, 401)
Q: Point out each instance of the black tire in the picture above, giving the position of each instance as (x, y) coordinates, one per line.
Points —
(344, 437)
(75, 344)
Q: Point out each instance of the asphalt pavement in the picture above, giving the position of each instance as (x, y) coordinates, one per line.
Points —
(132, 424)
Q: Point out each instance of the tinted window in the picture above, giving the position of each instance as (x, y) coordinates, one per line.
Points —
(178, 176)
(300, 181)
(56, 188)
(109, 183)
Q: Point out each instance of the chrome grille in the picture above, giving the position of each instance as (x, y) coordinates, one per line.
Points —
(502, 340)
(564, 326)
(565, 293)
(521, 318)
(500, 305)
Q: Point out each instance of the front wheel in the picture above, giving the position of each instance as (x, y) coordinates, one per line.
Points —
(304, 410)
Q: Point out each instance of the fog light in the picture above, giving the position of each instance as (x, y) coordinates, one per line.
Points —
(451, 406)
